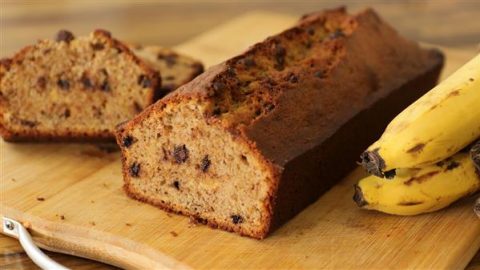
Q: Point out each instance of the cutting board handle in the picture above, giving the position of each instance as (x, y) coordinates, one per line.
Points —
(15, 229)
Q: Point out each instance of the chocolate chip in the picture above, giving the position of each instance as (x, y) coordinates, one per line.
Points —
(311, 31)
(269, 107)
(127, 141)
(292, 78)
(137, 107)
(320, 74)
(27, 123)
(269, 83)
(279, 54)
(87, 83)
(170, 59)
(176, 184)
(308, 44)
(135, 169)
(105, 86)
(280, 51)
(249, 62)
(64, 35)
(104, 72)
(231, 71)
(63, 84)
(144, 81)
(42, 82)
(218, 86)
(336, 34)
(96, 111)
(66, 113)
(97, 46)
(236, 219)
(205, 164)
(180, 153)
(216, 112)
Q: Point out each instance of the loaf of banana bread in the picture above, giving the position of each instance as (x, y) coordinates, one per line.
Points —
(72, 88)
(254, 140)
(79, 89)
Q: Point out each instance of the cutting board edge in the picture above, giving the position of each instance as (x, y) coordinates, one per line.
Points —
(80, 241)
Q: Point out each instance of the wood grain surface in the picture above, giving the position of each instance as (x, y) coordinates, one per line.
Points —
(447, 23)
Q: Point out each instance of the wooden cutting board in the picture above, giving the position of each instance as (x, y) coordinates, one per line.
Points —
(71, 199)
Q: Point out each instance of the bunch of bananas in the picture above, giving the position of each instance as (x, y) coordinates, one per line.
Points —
(426, 152)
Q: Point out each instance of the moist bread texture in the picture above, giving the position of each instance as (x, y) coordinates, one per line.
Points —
(175, 69)
(254, 140)
(73, 89)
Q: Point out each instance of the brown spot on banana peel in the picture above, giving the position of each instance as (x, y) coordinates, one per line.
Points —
(390, 174)
(454, 93)
(372, 162)
(421, 178)
(358, 197)
(417, 148)
(409, 203)
(452, 165)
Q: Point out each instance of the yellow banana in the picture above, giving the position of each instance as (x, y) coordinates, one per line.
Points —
(436, 126)
(420, 190)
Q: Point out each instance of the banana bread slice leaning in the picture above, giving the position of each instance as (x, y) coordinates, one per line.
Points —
(73, 89)
(254, 140)
(175, 69)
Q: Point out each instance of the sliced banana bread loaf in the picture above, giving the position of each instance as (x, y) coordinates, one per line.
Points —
(73, 88)
(252, 141)
(175, 69)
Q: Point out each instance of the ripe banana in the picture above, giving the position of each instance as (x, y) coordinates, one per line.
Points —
(420, 190)
(436, 126)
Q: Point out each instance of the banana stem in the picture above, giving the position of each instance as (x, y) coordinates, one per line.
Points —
(475, 154)
(374, 164)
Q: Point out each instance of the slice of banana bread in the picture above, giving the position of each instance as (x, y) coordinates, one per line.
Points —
(73, 88)
(252, 141)
(175, 69)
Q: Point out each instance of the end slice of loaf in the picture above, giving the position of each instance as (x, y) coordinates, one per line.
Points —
(253, 141)
(175, 69)
(73, 88)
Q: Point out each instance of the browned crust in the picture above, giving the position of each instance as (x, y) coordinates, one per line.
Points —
(86, 136)
(212, 224)
(37, 137)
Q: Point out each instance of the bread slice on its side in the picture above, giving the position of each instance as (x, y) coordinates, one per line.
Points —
(254, 140)
(175, 69)
(72, 89)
